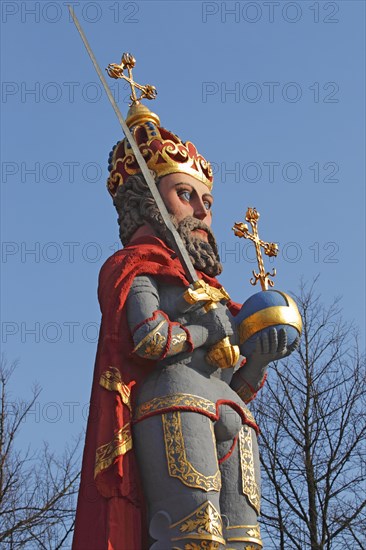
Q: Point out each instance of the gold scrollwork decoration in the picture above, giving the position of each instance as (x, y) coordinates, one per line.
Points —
(203, 292)
(247, 413)
(178, 464)
(203, 545)
(177, 342)
(119, 445)
(254, 531)
(203, 525)
(244, 533)
(111, 380)
(156, 345)
(249, 484)
(153, 343)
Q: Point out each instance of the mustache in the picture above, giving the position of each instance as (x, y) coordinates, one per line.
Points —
(190, 224)
(205, 255)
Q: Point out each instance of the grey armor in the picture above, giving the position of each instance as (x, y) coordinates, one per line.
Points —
(194, 437)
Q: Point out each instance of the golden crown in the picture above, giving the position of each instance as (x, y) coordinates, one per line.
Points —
(164, 152)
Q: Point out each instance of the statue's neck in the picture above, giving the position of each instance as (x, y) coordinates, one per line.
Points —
(143, 231)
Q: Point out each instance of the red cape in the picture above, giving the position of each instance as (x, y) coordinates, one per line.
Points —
(110, 509)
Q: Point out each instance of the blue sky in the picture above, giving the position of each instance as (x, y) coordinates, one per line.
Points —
(271, 92)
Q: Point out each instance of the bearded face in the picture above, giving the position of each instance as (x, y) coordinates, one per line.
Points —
(136, 208)
(204, 254)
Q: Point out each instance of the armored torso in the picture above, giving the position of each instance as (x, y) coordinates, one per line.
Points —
(183, 380)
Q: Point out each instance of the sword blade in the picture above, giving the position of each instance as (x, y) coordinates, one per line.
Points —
(179, 247)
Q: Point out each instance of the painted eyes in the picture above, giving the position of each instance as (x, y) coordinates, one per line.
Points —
(186, 196)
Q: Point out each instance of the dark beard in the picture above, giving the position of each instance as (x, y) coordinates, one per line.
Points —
(204, 255)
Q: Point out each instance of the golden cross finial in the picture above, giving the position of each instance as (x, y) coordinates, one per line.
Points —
(270, 249)
(116, 71)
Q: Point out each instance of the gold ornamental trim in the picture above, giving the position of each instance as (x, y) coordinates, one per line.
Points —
(119, 445)
(250, 533)
(245, 539)
(177, 343)
(203, 292)
(178, 464)
(111, 380)
(203, 524)
(176, 400)
(155, 342)
(161, 162)
(271, 316)
(139, 113)
(249, 484)
(203, 545)
(248, 414)
(183, 400)
(223, 354)
(208, 538)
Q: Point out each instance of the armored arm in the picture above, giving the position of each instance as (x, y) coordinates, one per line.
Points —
(156, 336)
(270, 346)
(248, 380)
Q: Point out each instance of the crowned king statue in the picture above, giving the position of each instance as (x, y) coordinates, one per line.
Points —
(171, 457)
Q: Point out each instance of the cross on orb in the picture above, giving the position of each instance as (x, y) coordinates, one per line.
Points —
(270, 249)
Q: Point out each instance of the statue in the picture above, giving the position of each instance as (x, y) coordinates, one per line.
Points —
(171, 457)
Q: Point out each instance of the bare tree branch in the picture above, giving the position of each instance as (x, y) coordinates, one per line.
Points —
(37, 488)
(311, 414)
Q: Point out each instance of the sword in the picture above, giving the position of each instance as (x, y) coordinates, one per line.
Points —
(179, 247)
(222, 354)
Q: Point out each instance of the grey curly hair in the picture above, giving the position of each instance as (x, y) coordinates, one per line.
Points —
(135, 206)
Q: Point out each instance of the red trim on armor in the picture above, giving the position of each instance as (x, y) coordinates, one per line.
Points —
(189, 341)
(168, 341)
(175, 408)
(230, 452)
(249, 385)
(214, 417)
(263, 382)
(254, 392)
(170, 333)
(152, 318)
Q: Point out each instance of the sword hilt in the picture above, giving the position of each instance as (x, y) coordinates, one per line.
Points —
(222, 354)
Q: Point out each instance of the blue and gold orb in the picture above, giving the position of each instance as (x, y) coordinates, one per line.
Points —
(266, 309)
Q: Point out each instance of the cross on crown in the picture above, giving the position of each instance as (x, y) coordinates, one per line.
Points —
(116, 71)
